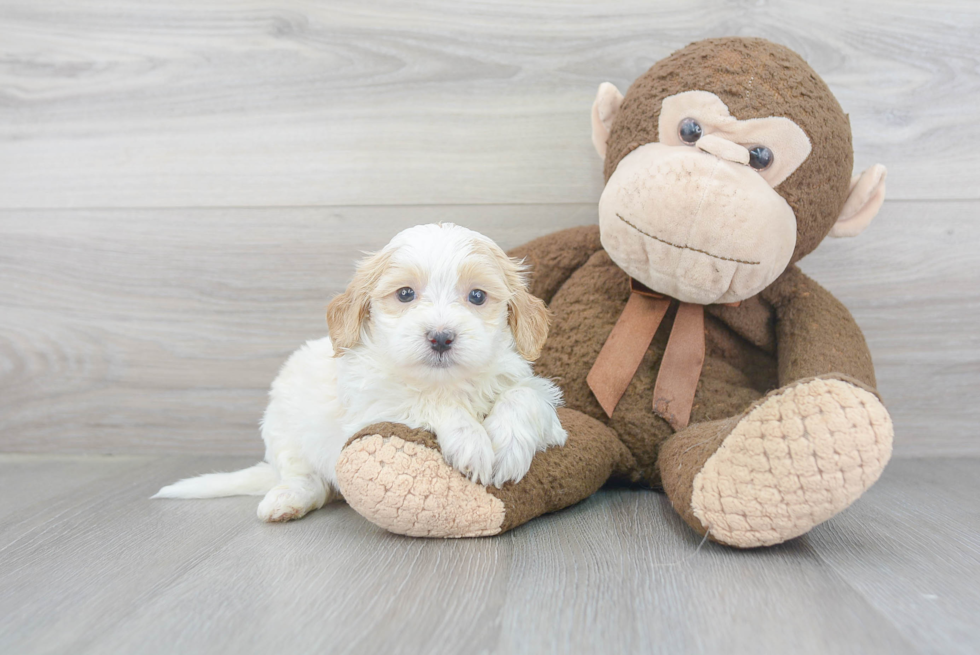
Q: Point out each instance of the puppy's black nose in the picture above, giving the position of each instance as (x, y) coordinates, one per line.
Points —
(441, 341)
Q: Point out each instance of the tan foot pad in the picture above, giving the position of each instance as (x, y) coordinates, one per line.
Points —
(794, 461)
(409, 489)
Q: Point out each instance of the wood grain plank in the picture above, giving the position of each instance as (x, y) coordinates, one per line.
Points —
(629, 575)
(96, 554)
(912, 548)
(217, 103)
(160, 330)
(617, 573)
(36, 488)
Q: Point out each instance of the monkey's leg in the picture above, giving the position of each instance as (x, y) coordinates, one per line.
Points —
(396, 478)
(794, 459)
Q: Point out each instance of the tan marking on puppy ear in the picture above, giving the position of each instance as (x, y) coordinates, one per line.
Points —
(529, 319)
(604, 112)
(527, 315)
(863, 202)
(347, 312)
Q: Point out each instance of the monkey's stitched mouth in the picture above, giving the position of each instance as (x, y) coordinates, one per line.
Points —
(682, 247)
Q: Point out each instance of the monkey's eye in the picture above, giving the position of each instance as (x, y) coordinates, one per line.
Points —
(478, 296)
(689, 130)
(760, 158)
(406, 294)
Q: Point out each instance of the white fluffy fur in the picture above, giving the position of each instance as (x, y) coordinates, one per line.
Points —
(489, 412)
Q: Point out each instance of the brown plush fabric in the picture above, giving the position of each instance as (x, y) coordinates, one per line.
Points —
(421, 437)
(560, 477)
(584, 310)
(755, 79)
(816, 333)
(682, 458)
(752, 319)
(550, 266)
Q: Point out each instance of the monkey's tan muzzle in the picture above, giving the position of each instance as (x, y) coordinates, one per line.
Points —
(696, 225)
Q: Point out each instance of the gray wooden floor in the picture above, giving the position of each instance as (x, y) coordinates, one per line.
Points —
(185, 183)
(89, 565)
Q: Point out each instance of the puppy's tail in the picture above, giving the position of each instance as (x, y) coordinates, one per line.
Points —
(254, 481)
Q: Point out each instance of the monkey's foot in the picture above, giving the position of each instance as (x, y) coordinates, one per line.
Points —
(396, 478)
(797, 458)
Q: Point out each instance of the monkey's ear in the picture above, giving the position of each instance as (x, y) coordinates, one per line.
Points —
(604, 111)
(863, 202)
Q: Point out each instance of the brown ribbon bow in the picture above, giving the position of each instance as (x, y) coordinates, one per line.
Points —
(680, 368)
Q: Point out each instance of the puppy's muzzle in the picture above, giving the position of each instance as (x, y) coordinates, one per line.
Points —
(441, 341)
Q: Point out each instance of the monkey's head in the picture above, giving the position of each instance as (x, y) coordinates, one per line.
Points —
(725, 163)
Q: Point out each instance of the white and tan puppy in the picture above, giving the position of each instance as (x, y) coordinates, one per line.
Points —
(436, 331)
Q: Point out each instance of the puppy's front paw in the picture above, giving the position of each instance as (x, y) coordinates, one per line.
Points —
(521, 424)
(467, 448)
(511, 464)
(514, 445)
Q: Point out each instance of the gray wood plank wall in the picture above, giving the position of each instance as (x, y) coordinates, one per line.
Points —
(183, 185)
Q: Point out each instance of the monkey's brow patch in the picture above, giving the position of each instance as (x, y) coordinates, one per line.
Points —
(676, 245)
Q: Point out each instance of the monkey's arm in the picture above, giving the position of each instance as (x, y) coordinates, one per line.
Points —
(554, 257)
(815, 334)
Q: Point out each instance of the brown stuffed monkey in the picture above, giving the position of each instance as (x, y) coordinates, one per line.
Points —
(693, 354)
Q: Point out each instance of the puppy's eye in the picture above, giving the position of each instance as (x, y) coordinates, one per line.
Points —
(478, 296)
(406, 294)
(689, 130)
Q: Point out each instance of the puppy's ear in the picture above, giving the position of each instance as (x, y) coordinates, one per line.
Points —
(347, 312)
(528, 315)
(529, 318)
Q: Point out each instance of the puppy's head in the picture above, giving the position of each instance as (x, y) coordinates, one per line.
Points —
(439, 297)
